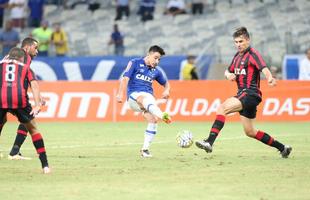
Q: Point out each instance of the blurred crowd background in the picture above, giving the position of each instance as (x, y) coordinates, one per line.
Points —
(75, 28)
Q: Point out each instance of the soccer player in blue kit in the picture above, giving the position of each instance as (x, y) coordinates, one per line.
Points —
(137, 80)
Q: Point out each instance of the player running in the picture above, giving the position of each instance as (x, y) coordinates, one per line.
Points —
(245, 70)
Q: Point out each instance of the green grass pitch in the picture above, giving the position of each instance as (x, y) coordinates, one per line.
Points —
(101, 161)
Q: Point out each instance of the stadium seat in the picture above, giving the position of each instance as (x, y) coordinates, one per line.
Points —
(268, 21)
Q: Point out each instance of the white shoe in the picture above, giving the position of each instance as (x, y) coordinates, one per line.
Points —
(146, 153)
(18, 157)
(46, 170)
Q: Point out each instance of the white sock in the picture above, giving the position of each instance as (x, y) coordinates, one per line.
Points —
(149, 135)
(152, 108)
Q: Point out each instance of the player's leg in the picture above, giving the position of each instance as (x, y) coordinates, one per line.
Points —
(264, 137)
(23, 115)
(38, 143)
(3, 121)
(19, 140)
(231, 105)
(148, 102)
(151, 127)
(149, 134)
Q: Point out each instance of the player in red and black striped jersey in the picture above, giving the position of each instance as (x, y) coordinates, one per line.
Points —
(14, 98)
(244, 69)
(30, 46)
(13, 74)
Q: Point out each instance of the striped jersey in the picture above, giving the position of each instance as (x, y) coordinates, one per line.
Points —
(247, 68)
(13, 78)
(141, 76)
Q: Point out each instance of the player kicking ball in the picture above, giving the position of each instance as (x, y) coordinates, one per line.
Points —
(137, 80)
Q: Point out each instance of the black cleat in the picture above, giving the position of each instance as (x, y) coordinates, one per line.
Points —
(204, 145)
(286, 152)
(145, 153)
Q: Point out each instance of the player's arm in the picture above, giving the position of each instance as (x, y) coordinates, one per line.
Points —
(229, 72)
(124, 82)
(271, 81)
(166, 92)
(42, 100)
(121, 89)
(36, 96)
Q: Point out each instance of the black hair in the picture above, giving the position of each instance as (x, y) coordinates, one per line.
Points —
(242, 31)
(158, 49)
(28, 41)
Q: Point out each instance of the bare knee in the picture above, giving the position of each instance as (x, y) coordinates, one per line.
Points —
(222, 110)
(31, 127)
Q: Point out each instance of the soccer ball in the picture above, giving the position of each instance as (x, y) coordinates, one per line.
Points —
(184, 139)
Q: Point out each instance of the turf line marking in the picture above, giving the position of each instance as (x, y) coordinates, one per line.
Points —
(129, 143)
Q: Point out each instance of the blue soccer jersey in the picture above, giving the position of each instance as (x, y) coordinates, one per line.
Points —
(141, 76)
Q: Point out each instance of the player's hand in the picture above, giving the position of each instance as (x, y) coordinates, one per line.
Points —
(42, 101)
(272, 82)
(119, 98)
(231, 77)
(35, 110)
(165, 95)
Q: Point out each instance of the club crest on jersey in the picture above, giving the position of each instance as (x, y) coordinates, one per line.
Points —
(141, 70)
(240, 71)
(144, 77)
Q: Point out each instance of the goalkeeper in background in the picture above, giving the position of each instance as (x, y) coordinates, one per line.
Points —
(137, 80)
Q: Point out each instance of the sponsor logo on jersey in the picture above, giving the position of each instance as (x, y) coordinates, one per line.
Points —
(144, 77)
(240, 71)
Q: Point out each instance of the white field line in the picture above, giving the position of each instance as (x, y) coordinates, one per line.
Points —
(128, 143)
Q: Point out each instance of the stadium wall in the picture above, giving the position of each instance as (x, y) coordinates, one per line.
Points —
(102, 68)
(190, 101)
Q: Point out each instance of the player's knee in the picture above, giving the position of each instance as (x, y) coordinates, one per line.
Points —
(221, 110)
(31, 127)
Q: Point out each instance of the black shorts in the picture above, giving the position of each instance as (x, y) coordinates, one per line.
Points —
(22, 114)
(249, 104)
